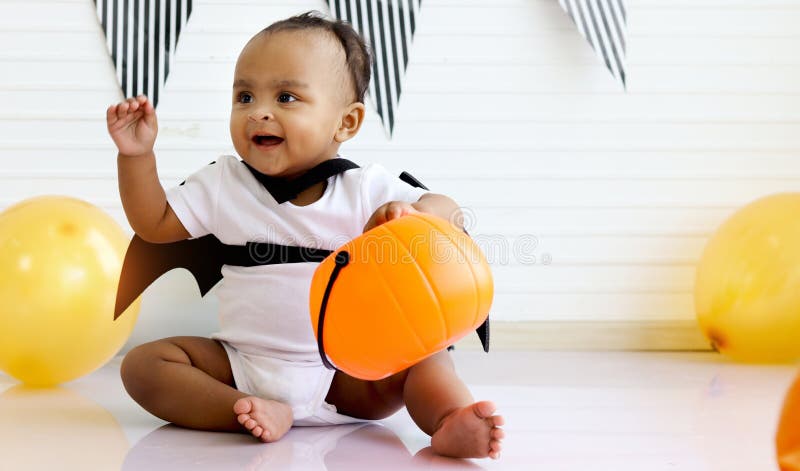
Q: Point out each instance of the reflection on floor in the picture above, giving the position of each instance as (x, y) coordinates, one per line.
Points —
(564, 411)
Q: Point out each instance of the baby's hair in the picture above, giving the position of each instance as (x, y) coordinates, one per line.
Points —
(356, 52)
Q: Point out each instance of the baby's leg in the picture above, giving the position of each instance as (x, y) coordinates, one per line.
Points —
(437, 400)
(188, 381)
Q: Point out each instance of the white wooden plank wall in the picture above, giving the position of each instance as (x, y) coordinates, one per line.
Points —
(505, 108)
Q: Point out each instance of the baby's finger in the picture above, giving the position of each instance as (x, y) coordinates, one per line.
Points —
(147, 106)
(399, 210)
(395, 211)
(122, 110)
(133, 103)
(379, 217)
(389, 213)
(111, 114)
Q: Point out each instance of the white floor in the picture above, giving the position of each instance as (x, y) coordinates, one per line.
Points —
(564, 411)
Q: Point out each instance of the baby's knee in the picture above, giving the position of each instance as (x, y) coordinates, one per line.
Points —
(133, 369)
(139, 370)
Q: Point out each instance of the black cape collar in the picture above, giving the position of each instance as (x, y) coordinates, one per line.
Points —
(284, 190)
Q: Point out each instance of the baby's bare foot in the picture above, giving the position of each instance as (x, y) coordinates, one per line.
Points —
(470, 432)
(266, 419)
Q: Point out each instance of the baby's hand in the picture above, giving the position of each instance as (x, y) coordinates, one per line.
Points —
(389, 211)
(132, 125)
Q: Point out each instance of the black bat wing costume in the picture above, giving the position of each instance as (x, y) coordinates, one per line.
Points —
(204, 257)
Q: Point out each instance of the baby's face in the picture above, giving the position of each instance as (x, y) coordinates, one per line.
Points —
(290, 90)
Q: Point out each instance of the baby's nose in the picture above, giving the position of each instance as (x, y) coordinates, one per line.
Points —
(261, 113)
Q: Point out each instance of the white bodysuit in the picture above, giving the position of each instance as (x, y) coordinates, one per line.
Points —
(265, 324)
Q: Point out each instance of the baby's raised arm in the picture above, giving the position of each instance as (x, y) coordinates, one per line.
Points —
(133, 127)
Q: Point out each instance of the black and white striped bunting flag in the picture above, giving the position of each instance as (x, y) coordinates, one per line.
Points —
(141, 36)
(603, 24)
(388, 28)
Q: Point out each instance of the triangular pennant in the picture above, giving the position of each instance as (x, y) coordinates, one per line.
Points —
(603, 24)
(141, 36)
(388, 28)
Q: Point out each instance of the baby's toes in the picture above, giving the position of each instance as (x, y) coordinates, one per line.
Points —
(243, 406)
(484, 409)
(257, 431)
(497, 420)
(494, 449)
(498, 434)
(495, 445)
(249, 424)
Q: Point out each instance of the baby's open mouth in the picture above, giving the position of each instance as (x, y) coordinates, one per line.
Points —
(267, 140)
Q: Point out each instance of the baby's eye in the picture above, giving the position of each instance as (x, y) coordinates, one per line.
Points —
(286, 98)
(245, 97)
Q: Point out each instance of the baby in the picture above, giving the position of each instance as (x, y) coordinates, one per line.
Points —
(298, 93)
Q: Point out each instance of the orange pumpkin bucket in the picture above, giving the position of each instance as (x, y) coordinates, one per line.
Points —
(787, 440)
(397, 294)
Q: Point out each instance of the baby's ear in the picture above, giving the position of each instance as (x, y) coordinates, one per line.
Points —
(352, 118)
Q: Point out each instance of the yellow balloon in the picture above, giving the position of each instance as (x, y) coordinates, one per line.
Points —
(60, 261)
(747, 290)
